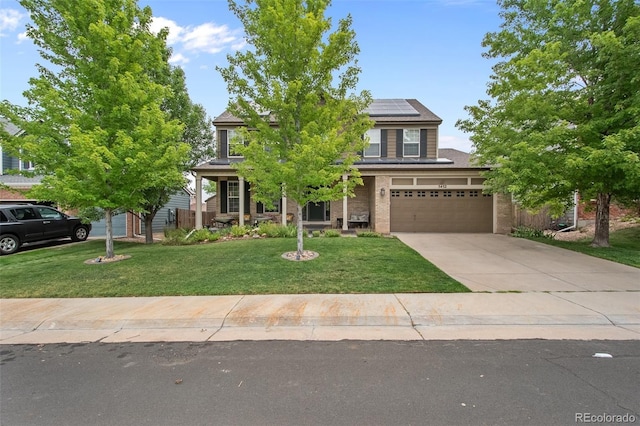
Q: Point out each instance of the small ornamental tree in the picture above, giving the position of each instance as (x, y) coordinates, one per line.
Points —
(95, 127)
(294, 91)
(565, 107)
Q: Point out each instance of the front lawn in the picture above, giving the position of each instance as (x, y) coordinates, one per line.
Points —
(625, 246)
(345, 265)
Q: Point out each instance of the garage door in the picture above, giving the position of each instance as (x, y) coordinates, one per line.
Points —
(118, 225)
(441, 211)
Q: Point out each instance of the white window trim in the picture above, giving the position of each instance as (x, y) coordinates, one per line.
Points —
(231, 134)
(404, 143)
(234, 197)
(373, 141)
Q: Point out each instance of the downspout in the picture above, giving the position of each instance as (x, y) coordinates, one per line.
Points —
(575, 214)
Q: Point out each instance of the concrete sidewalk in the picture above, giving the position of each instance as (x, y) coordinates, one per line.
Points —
(525, 290)
(555, 315)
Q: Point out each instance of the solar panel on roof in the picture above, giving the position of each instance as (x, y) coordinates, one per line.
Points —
(390, 107)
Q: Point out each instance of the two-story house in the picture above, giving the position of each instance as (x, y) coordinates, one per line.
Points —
(410, 185)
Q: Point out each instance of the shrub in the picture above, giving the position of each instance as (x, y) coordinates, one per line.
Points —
(203, 235)
(270, 229)
(332, 233)
(527, 232)
(315, 233)
(174, 237)
(369, 234)
(239, 231)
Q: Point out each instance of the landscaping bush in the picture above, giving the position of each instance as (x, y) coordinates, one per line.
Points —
(332, 233)
(203, 235)
(369, 234)
(174, 237)
(238, 231)
(315, 233)
(527, 232)
(269, 229)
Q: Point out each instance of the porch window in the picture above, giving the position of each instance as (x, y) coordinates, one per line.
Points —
(233, 196)
(373, 150)
(234, 141)
(411, 143)
(263, 208)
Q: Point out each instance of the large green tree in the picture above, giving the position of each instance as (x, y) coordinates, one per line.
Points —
(95, 127)
(197, 133)
(564, 113)
(295, 90)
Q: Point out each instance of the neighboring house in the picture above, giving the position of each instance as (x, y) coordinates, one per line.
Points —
(13, 185)
(129, 225)
(410, 185)
(166, 216)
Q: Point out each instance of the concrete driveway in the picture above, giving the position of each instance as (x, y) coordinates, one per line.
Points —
(490, 262)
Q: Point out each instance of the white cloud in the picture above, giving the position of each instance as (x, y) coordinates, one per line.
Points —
(205, 38)
(9, 20)
(22, 37)
(175, 30)
(178, 58)
(209, 38)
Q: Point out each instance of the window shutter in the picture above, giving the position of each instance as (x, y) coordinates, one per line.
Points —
(423, 143)
(223, 146)
(247, 198)
(223, 196)
(399, 143)
(383, 142)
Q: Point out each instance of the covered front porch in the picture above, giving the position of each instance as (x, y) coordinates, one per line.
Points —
(234, 204)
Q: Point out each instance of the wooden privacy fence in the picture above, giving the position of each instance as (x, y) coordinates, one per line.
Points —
(540, 220)
(187, 218)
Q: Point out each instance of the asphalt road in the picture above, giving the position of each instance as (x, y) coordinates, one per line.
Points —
(526, 382)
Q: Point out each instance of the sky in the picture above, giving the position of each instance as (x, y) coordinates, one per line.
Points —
(429, 50)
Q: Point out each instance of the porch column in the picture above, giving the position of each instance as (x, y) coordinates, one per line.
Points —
(345, 219)
(283, 219)
(241, 199)
(198, 201)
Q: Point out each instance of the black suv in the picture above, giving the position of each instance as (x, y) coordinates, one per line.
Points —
(25, 223)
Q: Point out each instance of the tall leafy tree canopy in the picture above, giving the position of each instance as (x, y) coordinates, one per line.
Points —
(294, 89)
(197, 133)
(95, 126)
(564, 113)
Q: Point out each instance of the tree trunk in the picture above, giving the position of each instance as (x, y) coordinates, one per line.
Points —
(148, 228)
(300, 233)
(108, 216)
(601, 237)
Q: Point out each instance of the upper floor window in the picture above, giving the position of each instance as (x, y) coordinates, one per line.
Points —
(411, 143)
(26, 165)
(373, 150)
(234, 141)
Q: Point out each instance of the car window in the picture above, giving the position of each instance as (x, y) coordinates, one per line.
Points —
(24, 213)
(3, 217)
(48, 213)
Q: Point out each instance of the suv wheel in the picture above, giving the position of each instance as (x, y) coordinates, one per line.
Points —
(81, 233)
(9, 244)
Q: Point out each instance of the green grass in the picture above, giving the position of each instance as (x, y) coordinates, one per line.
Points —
(345, 265)
(625, 246)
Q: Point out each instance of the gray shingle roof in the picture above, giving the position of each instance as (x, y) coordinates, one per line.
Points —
(424, 115)
(10, 128)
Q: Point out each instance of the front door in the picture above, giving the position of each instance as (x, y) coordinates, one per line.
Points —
(316, 212)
